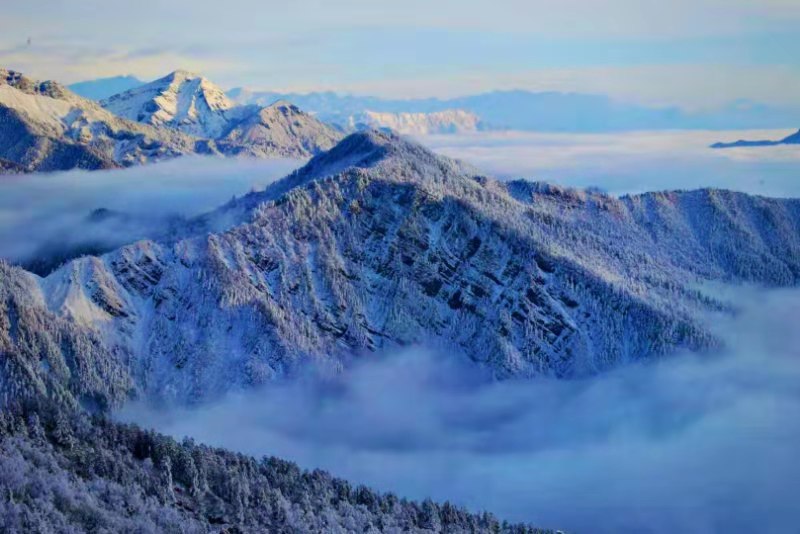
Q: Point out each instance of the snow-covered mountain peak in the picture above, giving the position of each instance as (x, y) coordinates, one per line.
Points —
(181, 74)
(398, 158)
(47, 127)
(361, 156)
(205, 88)
(190, 103)
(364, 148)
(358, 150)
(182, 100)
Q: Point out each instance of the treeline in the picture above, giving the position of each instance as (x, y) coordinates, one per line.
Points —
(64, 471)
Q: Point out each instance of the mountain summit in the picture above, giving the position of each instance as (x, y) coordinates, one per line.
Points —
(192, 104)
(46, 127)
(181, 100)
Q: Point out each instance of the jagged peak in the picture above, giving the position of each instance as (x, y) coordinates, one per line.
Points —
(184, 99)
(181, 75)
(19, 81)
(173, 80)
(282, 103)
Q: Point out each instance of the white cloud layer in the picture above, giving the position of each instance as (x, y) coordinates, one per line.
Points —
(699, 444)
(40, 210)
(633, 162)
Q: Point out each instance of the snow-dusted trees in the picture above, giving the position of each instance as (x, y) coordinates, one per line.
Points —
(61, 471)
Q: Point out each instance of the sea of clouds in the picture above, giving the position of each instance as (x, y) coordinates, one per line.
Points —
(689, 443)
(43, 212)
(633, 162)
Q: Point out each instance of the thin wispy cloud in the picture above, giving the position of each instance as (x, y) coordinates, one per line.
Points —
(708, 51)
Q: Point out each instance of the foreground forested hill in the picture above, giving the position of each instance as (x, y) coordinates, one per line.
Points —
(63, 471)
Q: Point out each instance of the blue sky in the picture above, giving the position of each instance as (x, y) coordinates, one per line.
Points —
(691, 53)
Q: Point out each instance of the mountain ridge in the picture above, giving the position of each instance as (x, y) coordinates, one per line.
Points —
(192, 104)
(46, 127)
(407, 123)
(793, 139)
(379, 243)
(547, 111)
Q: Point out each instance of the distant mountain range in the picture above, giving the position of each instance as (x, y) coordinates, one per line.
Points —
(435, 122)
(105, 87)
(47, 127)
(515, 110)
(793, 139)
(548, 111)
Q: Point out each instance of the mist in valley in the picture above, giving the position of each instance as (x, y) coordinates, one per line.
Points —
(47, 218)
(389, 341)
(689, 443)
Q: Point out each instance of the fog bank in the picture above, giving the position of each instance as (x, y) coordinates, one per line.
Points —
(41, 214)
(633, 162)
(687, 444)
